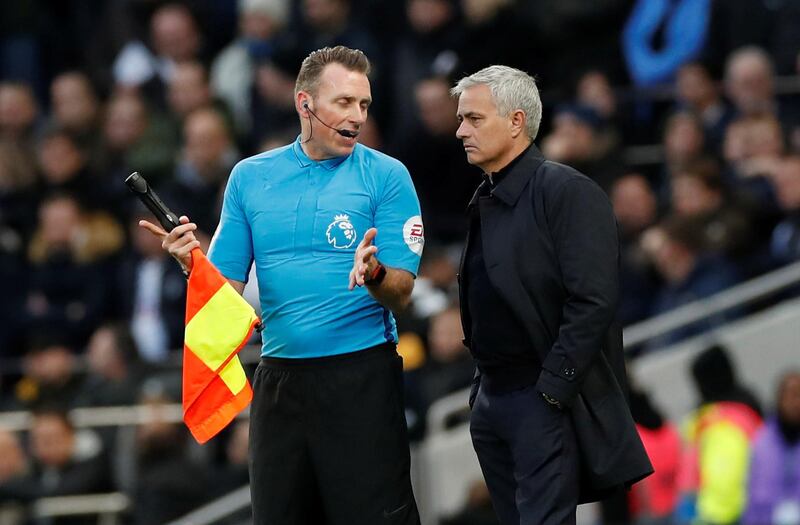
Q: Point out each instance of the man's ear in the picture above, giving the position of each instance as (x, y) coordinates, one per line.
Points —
(518, 121)
(302, 101)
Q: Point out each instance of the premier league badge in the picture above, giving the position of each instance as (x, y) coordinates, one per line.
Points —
(341, 234)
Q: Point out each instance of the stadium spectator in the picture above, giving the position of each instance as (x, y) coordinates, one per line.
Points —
(698, 192)
(427, 48)
(18, 113)
(66, 461)
(151, 294)
(718, 438)
(64, 167)
(174, 38)
(676, 246)
(49, 373)
(581, 139)
(273, 101)
(785, 242)
(636, 210)
(449, 366)
(169, 483)
(684, 143)
(14, 478)
(136, 139)
(112, 374)
(76, 109)
(206, 160)
(653, 501)
(773, 494)
(69, 279)
(435, 158)
(752, 150)
(188, 89)
(17, 220)
(750, 82)
(233, 70)
(697, 91)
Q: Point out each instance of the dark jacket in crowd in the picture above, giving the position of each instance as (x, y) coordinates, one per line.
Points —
(559, 277)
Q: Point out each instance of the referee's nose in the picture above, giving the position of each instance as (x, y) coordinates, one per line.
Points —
(358, 115)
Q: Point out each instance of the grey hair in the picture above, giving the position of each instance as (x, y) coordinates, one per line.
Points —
(511, 89)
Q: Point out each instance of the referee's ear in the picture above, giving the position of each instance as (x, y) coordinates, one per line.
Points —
(302, 103)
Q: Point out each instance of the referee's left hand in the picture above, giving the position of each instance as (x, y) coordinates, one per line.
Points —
(364, 259)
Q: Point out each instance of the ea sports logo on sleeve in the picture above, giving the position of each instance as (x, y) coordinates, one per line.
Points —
(341, 233)
(414, 234)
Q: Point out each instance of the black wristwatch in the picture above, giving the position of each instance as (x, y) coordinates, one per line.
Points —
(376, 276)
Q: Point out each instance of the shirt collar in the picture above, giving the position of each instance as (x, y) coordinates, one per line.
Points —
(515, 176)
(304, 160)
(495, 178)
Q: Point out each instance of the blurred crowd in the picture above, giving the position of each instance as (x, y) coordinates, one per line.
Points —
(687, 113)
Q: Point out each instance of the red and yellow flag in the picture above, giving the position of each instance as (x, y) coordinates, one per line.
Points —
(218, 324)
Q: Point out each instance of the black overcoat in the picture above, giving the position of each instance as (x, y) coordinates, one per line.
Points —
(551, 251)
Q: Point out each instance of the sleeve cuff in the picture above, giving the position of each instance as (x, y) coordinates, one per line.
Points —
(557, 388)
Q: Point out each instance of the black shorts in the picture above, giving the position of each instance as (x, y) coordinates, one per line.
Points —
(328, 441)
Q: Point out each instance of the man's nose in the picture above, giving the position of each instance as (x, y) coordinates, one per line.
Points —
(462, 131)
(359, 115)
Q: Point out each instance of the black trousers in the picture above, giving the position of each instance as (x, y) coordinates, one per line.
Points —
(328, 441)
(528, 454)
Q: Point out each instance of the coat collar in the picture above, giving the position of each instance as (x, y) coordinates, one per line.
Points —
(510, 188)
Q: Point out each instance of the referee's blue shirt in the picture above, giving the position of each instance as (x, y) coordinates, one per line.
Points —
(301, 220)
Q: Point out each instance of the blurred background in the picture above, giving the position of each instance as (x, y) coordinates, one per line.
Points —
(686, 112)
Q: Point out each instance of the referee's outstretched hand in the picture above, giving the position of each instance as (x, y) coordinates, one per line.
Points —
(179, 243)
(364, 259)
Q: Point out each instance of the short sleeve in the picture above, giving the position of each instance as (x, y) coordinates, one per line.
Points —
(231, 248)
(401, 234)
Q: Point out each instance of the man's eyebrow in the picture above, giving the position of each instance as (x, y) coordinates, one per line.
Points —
(351, 98)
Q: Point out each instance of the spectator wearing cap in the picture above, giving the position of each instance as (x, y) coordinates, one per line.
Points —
(579, 138)
(233, 70)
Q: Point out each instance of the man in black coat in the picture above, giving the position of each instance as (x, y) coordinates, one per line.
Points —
(538, 283)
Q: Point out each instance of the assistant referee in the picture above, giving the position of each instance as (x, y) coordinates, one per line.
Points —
(335, 232)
